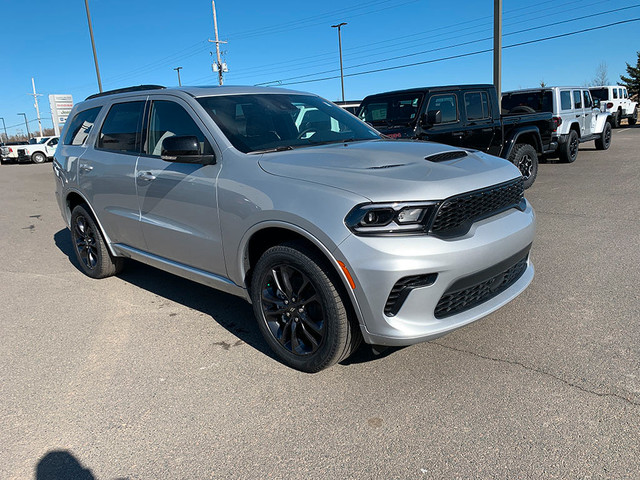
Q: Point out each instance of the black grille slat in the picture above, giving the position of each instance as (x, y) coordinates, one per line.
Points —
(455, 215)
(459, 301)
(444, 156)
(402, 288)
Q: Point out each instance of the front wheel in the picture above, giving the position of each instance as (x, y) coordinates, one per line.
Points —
(616, 119)
(300, 310)
(604, 142)
(568, 152)
(38, 157)
(524, 157)
(632, 120)
(89, 245)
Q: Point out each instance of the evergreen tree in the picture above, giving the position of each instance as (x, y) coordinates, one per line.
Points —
(632, 82)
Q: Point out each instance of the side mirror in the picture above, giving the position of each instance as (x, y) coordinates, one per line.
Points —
(432, 117)
(184, 149)
(596, 102)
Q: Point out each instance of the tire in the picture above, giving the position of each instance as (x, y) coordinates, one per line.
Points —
(524, 157)
(300, 308)
(569, 150)
(604, 142)
(634, 119)
(88, 243)
(38, 157)
(616, 119)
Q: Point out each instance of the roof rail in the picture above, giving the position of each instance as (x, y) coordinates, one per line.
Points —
(124, 90)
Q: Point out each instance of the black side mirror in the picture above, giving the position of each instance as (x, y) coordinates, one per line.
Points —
(184, 149)
(432, 117)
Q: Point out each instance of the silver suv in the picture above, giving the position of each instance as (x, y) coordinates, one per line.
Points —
(333, 233)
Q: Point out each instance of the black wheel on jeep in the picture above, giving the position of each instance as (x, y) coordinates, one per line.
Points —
(300, 309)
(568, 151)
(38, 157)
(632, 120)
(524, 157)
(604, 142)
(91, 251)
(616, 118)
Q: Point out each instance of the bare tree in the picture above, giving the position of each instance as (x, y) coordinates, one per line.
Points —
(602, 75)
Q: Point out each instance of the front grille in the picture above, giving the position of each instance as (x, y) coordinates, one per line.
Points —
(402, 289)
(444, 156)
(459, 300)
(455, 215)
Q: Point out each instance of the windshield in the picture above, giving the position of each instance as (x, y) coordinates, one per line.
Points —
(269, 122)
(601, 94)
(43, 140)
(391, 109)
(527, 102)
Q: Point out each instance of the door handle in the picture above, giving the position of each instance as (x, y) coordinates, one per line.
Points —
(84, 168)
(578, 116)
(146, 176)
(458, 134)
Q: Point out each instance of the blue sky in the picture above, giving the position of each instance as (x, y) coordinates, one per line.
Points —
(141, 41)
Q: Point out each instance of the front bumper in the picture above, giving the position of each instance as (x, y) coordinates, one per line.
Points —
(378, 263)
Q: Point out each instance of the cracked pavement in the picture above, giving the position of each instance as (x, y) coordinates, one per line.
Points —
(147, 375)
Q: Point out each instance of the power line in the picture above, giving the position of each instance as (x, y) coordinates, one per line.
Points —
(398, 57)
(477, 52)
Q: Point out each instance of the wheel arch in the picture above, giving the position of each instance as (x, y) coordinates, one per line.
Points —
(75, 198)
(266, 235)
(530, 135)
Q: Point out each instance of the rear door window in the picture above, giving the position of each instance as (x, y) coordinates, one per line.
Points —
(80, 127)
(122, 128)
(476, 105)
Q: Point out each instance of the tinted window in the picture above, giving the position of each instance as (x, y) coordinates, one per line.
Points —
(282, 121)
(476, 105)
(624, 93)
(169, 119)
(391, 110)
(565, 100)
(528, 102)
(121, 130)
(447, 105)
(620, 92)
(577, 98)
(601, 94)
(53, 142)
(587, 100)
(615, 93)
(80, 126)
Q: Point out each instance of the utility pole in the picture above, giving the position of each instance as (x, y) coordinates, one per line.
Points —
(177, 69)
(497, 47)
(27, 124)
(6, 137)
(35, 98)
(339, 26)
(93, 45)
(220, 67)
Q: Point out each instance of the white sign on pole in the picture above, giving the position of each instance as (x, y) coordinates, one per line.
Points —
(61, 106)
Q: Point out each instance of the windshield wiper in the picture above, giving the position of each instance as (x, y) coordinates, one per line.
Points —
(281, 148)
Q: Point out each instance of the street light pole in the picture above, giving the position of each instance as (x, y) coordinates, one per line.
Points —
(27, 124)
(339, 26)
(93, 45)
(6, 137)
(177, 69)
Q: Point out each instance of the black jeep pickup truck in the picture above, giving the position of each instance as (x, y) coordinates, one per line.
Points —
(465, 116)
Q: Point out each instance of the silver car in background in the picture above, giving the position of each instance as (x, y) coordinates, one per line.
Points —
(333, 233)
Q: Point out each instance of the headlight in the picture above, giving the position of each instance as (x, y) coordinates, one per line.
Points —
(390, 218)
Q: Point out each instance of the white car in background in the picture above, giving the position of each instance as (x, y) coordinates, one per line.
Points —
(38, 152)
(614, 100)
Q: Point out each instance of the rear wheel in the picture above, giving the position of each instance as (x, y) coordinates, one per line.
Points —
(91, 250)
(38, 157)
(524, 157)
(300, 310)
(569, 150)
(604, 142)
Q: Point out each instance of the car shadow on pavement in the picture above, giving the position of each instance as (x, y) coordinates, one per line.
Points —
(231, 312)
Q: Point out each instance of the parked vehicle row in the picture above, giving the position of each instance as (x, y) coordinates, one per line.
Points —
(38, 152)
(466, 116)
(334, 233)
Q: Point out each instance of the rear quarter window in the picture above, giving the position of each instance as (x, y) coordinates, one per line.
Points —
(80, 127)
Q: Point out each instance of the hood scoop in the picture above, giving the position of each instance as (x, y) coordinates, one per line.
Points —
(444, 156)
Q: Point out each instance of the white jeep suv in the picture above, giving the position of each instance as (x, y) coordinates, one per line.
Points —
(614, 100)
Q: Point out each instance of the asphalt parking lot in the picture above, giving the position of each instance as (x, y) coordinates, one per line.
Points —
(147, 375)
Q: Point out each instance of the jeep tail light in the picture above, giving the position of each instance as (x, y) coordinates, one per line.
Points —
(609, 105)
(557, 121)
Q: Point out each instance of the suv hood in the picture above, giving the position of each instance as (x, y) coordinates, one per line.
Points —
(391, 170)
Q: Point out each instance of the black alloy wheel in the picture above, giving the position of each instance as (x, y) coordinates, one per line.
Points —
(292, 310)
(569, 151)
(90, 248)
(525, 157)
(604, 142)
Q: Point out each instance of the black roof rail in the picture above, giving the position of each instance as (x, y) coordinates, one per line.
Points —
(125, 90)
